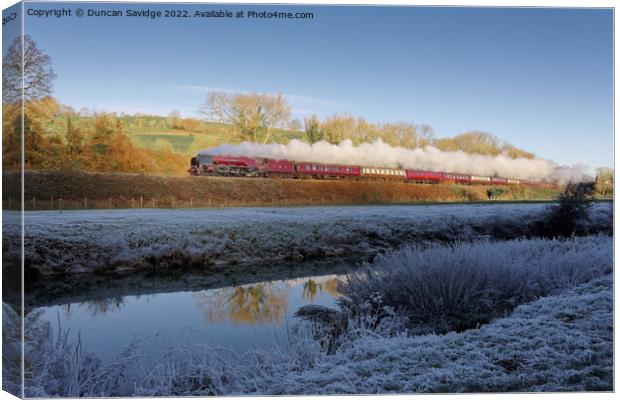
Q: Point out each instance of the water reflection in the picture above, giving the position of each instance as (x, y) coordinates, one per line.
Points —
(102, 306)
(237, 317)
(265, 303)
(256, 304)
(313, 288)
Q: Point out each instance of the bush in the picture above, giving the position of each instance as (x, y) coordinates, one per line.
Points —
(441, 289)
(495, 193)
(572, 208)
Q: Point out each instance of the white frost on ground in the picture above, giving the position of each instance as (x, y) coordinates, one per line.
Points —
(83, 241)
(558, 343)
(563, 342)
(440, 289)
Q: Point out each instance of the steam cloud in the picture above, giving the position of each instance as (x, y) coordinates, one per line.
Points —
(380, 154)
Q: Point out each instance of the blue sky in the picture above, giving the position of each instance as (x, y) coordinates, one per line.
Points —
(538, 78)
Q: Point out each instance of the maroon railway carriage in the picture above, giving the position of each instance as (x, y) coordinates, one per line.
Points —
(281, 168)
(530, 182)
(424, 176)
(498, 181)
(319, 170)
(456, 178)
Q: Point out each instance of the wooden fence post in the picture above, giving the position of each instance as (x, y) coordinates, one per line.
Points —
(141, 202)
(85, 203)
(191, 202)
(60, 203)
(132, 202)
(34, 203)
(52, 202)
(153, 202)
(110, 202)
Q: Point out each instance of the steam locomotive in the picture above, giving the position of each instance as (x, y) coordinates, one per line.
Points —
(240, 166)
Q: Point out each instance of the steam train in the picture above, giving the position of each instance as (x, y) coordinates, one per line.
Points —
(240, 166)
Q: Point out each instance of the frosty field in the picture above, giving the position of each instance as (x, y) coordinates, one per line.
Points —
(386, 299)
(119, 240)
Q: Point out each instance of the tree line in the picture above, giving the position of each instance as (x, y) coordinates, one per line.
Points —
(254, 117)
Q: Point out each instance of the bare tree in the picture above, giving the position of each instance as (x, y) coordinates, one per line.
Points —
(406, 134)
(35, 68)
(478, 142)
(339, 127)
(254, 115)
(173, 118)
(295, 125)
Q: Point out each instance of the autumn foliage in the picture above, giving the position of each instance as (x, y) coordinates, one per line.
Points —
(94, 144)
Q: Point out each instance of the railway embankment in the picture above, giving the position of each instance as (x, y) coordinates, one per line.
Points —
(45, 190)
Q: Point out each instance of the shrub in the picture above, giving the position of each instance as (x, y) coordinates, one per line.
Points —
(572, 207)
(441, 289)
(495, 193)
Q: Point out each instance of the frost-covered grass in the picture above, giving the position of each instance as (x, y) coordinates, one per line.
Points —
(558, 343)
(126, 240)
(441, 289)
(562, 342)
(11, 350)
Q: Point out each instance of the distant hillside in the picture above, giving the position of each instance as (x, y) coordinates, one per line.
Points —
(61, 139)
(184, 136)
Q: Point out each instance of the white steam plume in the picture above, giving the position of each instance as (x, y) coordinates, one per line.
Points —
(380, 154)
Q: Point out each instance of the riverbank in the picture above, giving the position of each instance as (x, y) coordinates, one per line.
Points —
(121, 241)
